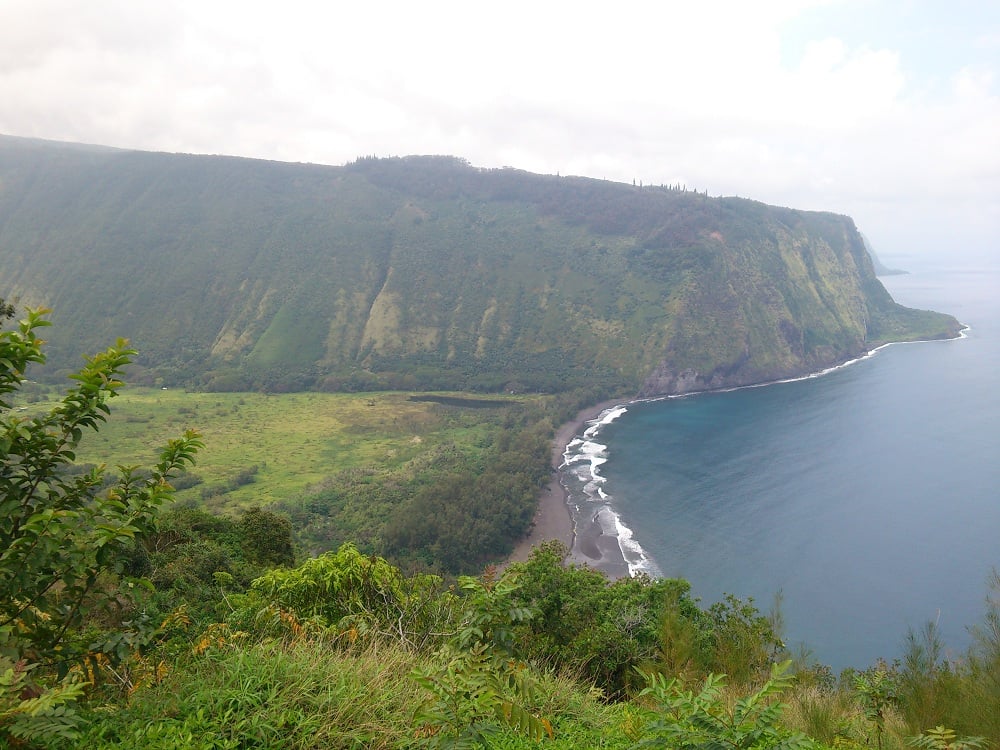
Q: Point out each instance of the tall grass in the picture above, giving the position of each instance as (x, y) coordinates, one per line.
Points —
(834, 717)
(308, 695)
(271, 695)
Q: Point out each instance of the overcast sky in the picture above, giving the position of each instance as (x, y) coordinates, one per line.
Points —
(887, 111)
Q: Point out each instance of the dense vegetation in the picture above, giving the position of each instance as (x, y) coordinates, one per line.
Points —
(425, 273)
(123, 624)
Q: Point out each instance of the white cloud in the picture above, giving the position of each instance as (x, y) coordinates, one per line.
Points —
(660, 92)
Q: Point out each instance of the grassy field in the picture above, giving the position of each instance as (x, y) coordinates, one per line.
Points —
(279, 445)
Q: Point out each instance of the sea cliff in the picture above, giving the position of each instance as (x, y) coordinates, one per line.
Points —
(426, 273)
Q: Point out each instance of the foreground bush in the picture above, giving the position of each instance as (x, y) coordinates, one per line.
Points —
(67, 540)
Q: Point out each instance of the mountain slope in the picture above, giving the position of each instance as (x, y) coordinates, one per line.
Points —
(424, 272)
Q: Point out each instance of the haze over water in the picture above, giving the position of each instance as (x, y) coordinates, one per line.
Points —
(870, 496)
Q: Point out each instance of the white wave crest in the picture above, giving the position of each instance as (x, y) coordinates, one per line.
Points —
(583, 458)
(633, 553)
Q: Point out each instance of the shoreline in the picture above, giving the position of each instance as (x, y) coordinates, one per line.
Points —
(590, 545)
(554, 520)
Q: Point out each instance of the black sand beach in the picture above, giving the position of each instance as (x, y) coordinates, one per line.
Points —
(553, 520)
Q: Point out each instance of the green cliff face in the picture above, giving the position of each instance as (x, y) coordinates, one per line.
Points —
(794, 296)
(427, 273)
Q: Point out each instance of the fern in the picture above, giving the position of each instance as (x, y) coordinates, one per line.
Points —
(941, 738)
(47, 717)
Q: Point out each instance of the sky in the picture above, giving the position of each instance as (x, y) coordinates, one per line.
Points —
(886, 111)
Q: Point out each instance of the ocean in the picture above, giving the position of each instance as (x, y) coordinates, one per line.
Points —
(868, 496)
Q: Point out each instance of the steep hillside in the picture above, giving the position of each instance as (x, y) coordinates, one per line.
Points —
(424, 272)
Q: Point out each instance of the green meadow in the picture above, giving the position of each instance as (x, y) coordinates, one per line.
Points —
(261, 449)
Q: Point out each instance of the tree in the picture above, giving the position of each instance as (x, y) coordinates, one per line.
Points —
(876, 692)
(600, 629)
(66, 538)
(267, 538)
(353, 595)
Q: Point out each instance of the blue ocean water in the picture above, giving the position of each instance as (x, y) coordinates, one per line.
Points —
(869, 497)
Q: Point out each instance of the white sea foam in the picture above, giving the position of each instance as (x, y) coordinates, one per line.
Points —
(606, 417)
(635, 556)
(583, 458)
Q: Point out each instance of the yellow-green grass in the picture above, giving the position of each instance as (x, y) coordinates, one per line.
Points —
(296, 440)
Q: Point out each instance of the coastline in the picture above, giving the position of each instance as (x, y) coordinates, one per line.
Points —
(590, 545)
(553, 520)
